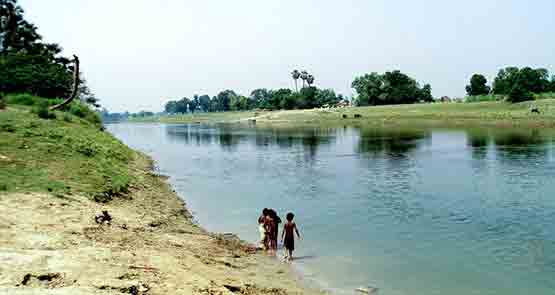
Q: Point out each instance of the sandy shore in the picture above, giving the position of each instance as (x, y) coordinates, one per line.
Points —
(52, 245)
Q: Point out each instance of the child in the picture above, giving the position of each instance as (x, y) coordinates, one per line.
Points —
(287, 236)
(262, 228)
(269, 225)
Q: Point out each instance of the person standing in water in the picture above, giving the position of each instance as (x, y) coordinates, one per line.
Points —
(277, 221)
(262, 229)
(269, 225)
(287, 236)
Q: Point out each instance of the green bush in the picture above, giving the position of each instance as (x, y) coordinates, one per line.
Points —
(7, 127)
(2, 101)
(30, 100)
(78, 110)
(23, 99)
(67, 118)
(81, 110)
(42, 111)
(519, 94)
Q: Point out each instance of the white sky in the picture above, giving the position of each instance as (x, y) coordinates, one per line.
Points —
(139, 54)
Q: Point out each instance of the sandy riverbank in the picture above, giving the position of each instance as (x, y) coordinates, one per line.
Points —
(52, 245)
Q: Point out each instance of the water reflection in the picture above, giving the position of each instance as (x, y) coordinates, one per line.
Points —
(509, 145)
(393, 143)
(230, 136)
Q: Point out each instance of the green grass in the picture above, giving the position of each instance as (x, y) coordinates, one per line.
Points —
(40, 106)
(65, 155)
(482, 98)
(198, 117)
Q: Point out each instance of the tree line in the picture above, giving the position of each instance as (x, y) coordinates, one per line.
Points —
(516, 84)
(307, 97)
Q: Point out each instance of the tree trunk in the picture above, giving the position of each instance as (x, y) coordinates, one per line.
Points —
(75, 86)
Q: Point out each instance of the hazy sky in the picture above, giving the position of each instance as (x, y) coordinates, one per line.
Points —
(139, 54)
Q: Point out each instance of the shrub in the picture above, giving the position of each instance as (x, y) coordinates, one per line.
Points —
(22, 99)
(30, 100)
(7, 127)
(2, 102)
(519, 94)
(78, 110)
(83, 111)
(42, 111)
(67, 118)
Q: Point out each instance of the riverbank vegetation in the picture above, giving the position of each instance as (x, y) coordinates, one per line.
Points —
(488, 113)
(512, 84)
(63, 155)
(390, 88)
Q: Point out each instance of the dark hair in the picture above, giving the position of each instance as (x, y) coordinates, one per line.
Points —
(290, 216)
(265, 211)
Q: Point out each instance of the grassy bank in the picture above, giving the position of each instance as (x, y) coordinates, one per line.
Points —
(62, 155)
(490, 113)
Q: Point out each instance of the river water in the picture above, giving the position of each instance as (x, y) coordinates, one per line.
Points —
(409, 211)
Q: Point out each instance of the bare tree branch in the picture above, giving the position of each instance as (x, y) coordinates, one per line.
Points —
(75, 86)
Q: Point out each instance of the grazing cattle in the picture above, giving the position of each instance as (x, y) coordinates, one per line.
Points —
(344, 116)
(358, 116)
(535, 110)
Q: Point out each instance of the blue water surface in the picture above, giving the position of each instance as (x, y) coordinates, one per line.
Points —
(410, 211)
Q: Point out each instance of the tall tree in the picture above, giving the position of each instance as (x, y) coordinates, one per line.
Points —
(310, 80)
(389, 88)
(28, 65)
(204, 101)
(478, 85)
(224, 100)
(425, 94)
(261, 98)
(304, 76)
(296, 75)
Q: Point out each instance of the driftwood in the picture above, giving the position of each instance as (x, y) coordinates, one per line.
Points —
(75, 86)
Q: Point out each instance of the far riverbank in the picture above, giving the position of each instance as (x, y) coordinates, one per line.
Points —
(480, 114)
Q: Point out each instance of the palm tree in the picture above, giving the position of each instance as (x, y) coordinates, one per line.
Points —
(310, 80)
(304, 76)
(296, 74)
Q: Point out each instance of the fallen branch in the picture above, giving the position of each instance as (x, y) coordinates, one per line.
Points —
(75, 86)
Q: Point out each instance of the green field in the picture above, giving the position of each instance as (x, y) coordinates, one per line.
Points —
(65, 155)
(490, 113)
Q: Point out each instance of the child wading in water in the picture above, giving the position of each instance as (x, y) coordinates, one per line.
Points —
(288, 237)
